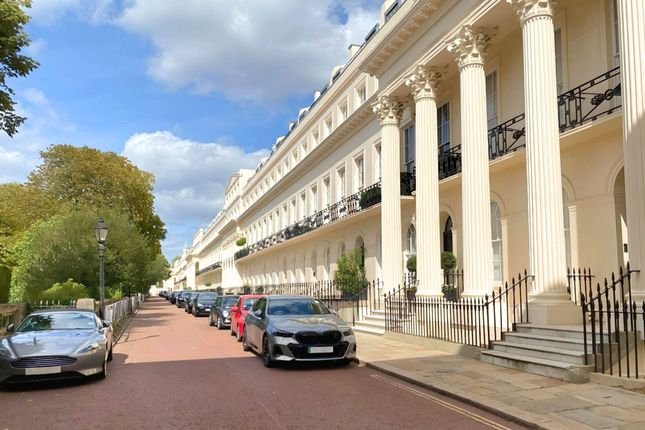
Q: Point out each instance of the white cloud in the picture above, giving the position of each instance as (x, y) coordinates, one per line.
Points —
(44, 126)
(252, 50)
(190, 178)
(96, 11)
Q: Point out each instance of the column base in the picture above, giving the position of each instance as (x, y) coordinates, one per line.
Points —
(553, 309)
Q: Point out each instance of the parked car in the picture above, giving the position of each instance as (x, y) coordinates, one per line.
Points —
(239, 311)
(297, 328)
(56, 344)
(188, 301)
(163, 293)
(202, 302)
(221, 311)
(173, 297)
(181, 298)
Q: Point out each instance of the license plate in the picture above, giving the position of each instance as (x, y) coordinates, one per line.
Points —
(207, 309)
(320, 349)
(42, 370)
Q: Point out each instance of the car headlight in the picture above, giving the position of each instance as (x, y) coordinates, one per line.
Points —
(281, 333)
(348, 332)
(6, 351)
(89, 348)
(199, 305)
(225, 314)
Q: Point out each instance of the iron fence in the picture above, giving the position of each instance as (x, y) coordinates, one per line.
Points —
(611, 323)
(579, 281)
(453, 284)
(351, 302)
(117, 312)
(46, 304)
(475, 321)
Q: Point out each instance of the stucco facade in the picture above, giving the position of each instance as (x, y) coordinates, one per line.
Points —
(481, 130)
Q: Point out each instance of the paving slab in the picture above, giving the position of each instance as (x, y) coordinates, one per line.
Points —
(533, 400)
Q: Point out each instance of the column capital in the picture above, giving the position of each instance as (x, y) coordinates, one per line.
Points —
(423, 82)
(388, 110)
(529, 9)
(469, 45)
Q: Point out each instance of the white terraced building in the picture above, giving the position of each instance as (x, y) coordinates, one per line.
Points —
(510, 132)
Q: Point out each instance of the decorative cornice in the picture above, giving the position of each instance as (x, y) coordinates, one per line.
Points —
(388, 110)
(469, 45)
(529, 9)
(424, 82)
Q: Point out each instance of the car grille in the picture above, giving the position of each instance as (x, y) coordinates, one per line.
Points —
(325, 338)
(44, 361)
(302, 351)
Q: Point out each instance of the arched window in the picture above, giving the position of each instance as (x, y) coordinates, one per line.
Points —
(567, 226)
(360, 244)
(496, 234)
(447, 236)
(411, 240)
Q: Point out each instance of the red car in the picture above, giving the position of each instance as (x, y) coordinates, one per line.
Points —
(239, 311)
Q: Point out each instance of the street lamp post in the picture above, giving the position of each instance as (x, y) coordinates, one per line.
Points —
(101, 235)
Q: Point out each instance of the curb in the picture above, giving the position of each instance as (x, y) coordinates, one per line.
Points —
(393, 371)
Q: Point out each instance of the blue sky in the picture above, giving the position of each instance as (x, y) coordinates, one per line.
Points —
(189, 90)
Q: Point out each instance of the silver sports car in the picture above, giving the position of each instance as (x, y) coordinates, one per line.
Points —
(297, 328)
(56, 344)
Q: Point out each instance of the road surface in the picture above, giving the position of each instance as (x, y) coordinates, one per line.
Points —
(173, 371)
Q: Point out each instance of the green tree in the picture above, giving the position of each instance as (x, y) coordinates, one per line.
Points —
(90, 178)
(64, 292)
(13, 39)
(350, 273)
(65, 247)
(20, 208)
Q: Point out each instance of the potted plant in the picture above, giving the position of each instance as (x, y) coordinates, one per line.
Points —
(411, 265)
(241, 241)
(448, 264)
(350, 273)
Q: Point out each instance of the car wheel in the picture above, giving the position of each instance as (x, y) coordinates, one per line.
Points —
(220, 324)
(266, 353)
(109, 357)
(103, 373)
(210, 320)
(245, 343)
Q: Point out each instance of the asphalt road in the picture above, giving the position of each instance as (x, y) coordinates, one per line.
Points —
(173, 371)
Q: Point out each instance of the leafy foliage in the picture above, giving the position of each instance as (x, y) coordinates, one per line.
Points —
(87, 177)
(350, 273)
(65, 291)
(411, 264)
(13, 64)
(448, 260)
(65, 247)
(241, 241)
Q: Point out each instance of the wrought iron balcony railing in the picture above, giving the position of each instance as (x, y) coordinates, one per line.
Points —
(585, 103)
(350, 205)
(210, 268)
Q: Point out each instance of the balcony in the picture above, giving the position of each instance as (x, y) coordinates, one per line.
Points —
(585, 103)
(348, 206)
(210, 268)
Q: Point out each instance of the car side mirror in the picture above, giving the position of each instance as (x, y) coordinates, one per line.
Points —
(106, 324)
(10, 328)
(235, 309)
(258, 313)
(333, 312)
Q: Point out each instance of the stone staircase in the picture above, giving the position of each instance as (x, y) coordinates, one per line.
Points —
(374, 323)
(549, 351)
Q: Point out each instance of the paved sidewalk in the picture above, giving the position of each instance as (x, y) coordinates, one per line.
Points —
(530, 399)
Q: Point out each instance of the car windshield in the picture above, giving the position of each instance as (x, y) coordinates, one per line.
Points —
(248, 303)
(228, 302)
(296, 306)
(58, 321)
(206, 297)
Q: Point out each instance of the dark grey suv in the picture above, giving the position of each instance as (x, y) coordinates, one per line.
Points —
(297, 328)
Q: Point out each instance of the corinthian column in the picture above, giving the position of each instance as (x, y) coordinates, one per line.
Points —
(389, 111)
(423, 83)
(632, 64)
(469, 46)
(543, 173)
